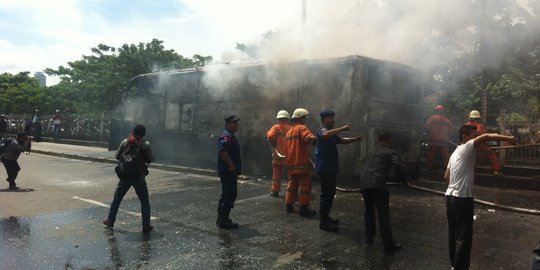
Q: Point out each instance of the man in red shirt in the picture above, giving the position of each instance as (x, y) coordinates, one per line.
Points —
(475, 119)
(438, 129)
(276, 138)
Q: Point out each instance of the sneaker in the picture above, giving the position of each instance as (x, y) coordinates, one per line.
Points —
(108, 223)
(13, 187)
(147, 228)
(274, 194)
(496, 173)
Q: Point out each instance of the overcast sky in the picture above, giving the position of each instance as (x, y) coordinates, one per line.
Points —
(36, 34)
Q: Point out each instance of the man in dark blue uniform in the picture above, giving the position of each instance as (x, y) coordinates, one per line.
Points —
(327, 165)
(229, 167)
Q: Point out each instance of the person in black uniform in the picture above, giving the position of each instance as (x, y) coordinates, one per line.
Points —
(535, 264)
(379, 162)
(229, 167)
(3, 126)
(327, 165)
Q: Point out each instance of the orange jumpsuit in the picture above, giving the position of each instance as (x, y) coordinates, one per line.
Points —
(298, 163)
(484, 148)
(438, 128)
(276, 135)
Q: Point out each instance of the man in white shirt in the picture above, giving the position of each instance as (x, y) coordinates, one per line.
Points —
(459, 194)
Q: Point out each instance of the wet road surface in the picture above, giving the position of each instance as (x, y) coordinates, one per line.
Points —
(56, 224)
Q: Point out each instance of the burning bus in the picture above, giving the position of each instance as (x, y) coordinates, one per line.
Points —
(184, 110)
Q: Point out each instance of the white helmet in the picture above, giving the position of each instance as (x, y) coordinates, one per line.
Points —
(282, 114)
(299, 113)
(474, 114)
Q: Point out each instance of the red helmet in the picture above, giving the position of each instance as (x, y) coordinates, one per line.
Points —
(439, 108)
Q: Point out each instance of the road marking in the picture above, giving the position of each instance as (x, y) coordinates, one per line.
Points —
(108, 206)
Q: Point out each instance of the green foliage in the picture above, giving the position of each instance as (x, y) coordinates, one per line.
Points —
(513, 119)
(510, 77)
(96, 82)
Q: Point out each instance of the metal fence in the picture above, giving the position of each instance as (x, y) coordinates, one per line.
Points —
(72, 127)
(519, 154)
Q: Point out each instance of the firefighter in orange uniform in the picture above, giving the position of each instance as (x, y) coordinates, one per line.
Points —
(299, 164)
(438, 129)
(476, 120)
(276, 138)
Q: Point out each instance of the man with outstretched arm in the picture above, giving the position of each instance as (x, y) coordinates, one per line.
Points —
(327, 165)
(459, 195)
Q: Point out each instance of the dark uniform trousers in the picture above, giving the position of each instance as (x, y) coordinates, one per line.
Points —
(378, 199)
(229, 182)
(139, 184)
(328, 191)
(12, 170)
(535, 264)
(459, 212)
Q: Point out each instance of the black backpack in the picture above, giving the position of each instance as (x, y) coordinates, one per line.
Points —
(130, 162)
(4, 145)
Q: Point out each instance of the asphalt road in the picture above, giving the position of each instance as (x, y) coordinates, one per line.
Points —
(54, 222)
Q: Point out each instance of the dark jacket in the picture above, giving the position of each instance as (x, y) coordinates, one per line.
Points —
(14, 150)
(229, 143)
(379, 162)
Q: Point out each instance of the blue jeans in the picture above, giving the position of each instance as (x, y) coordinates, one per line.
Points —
(141, 189)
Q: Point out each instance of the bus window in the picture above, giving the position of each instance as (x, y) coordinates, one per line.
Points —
(393, 84)
(179, 117)
(172, 116)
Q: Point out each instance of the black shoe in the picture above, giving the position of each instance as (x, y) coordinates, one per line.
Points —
(228, 224)
(393, 247)
(369, 240)
(289, 207)
(13, 187)
(274, 194)
(328, 226)
(147, 228)
(333, 221)
(305, 211)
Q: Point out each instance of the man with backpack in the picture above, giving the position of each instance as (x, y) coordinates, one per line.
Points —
(133, 155)
(11, 150)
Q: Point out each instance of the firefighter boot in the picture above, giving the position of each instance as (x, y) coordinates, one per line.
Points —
(224, 222)
(289, 207)
(305, 211)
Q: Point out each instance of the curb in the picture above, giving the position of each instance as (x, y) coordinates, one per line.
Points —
(159, 166)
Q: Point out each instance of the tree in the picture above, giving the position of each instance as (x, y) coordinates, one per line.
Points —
(96, 82)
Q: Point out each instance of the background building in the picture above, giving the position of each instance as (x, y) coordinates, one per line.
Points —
(41, 78)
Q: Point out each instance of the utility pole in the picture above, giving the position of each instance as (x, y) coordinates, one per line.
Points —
(304, 16)
(482, 48)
